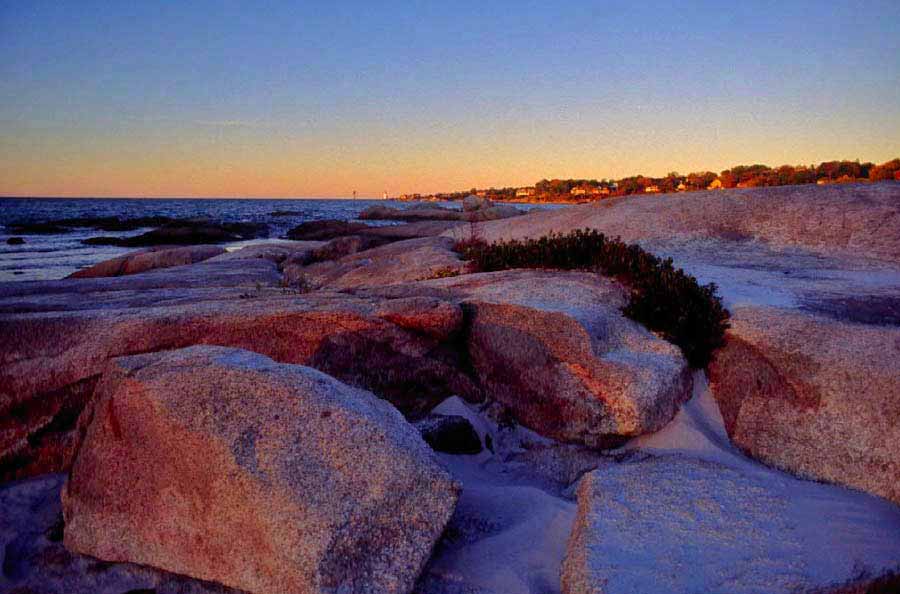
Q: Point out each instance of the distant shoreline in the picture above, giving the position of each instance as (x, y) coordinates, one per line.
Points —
(860, 182)
(577, 191)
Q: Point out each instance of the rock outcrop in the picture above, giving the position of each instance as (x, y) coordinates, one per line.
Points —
(854, 220)
(424, 212)
(557, 352)
(274, 251)
(218, 278)
(399, 262)
(149, 259)
(564, 381)
(677, 524)
(343, 246)
(413, 230)
(601, 377)
(324, 230)
(102, 223)
(814, 396)
(223, 465)
(823, 262)
(471, 203)
(57, 341)
(187, 232)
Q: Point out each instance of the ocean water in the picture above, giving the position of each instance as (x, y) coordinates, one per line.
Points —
(47, 257)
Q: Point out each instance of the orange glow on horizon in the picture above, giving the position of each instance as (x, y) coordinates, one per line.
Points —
(132, 167)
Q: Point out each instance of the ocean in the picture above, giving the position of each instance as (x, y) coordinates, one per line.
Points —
(48, 257)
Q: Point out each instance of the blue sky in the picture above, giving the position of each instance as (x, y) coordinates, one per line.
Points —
(295, 99)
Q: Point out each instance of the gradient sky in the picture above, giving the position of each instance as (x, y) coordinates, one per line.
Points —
(319, 98)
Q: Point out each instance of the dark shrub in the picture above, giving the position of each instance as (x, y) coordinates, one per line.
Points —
(663, 298)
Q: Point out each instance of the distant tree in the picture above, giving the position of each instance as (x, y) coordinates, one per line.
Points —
(803, 175)
(885, 170)
(630, 185)
(833, 170)
(746, 175)
(670, 182)
(700, 180)
(728, 179)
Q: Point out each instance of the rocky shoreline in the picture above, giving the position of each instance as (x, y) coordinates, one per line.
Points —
(357, 410)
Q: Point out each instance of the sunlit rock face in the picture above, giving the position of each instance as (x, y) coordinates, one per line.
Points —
(35, 559)
(555, 349)
(224, 465)
(571, 367)
(561, 380)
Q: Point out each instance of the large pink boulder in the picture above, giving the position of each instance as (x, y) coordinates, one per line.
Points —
(223, 465)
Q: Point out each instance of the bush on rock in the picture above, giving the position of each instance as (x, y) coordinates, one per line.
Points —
(663, 298)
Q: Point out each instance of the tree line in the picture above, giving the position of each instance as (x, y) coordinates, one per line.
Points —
(740, 176)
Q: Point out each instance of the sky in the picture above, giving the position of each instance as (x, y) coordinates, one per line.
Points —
(317, 99)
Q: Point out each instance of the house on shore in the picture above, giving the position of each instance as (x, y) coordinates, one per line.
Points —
(715, 185)
(681, 187)
(578, 191)
(654, 189)
(524, 192)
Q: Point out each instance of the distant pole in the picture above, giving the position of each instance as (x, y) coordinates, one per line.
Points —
(354, 194)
